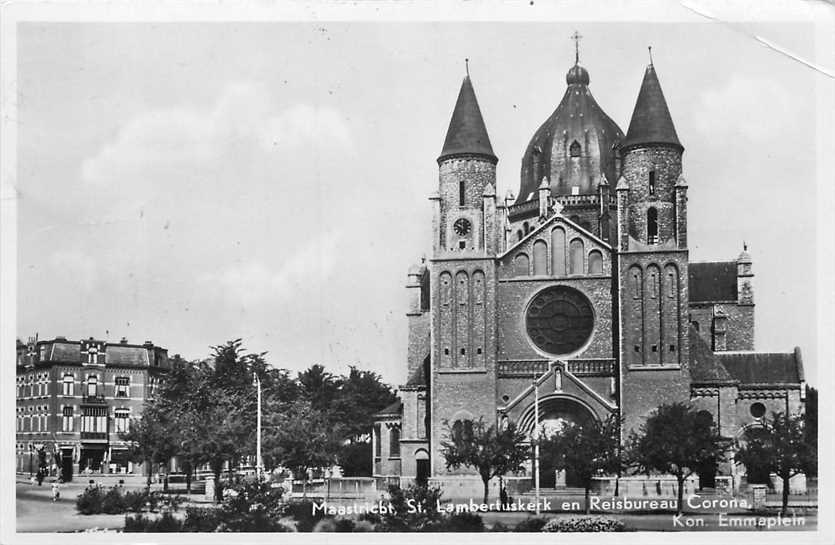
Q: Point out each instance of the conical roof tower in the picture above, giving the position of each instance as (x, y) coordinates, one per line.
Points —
(651, 121)
(467, 134)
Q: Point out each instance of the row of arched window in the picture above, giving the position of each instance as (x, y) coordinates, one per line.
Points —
(462, 317)
(559, 259)
(652, 301)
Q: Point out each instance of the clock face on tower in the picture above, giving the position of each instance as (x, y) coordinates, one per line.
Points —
(559, 320)
(462, 226)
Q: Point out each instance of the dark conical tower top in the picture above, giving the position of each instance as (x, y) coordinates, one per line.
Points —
(651, 121)
(467, 134)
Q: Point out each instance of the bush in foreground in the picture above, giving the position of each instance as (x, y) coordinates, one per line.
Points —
(164, 523)
(533, 524)
(90, 501)
(584, 524)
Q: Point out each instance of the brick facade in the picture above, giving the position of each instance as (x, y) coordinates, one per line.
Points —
(620, 251)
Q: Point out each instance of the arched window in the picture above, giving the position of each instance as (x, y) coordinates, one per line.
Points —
(520, 235)
(461, 193)
(576, 255)
(558, 252)
(540, 258)
(526, 228)
(652, 226)
(595, 262)
(652, 182)
(521, 265)
(574, 149)
(377, 439)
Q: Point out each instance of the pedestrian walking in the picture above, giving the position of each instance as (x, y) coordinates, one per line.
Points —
(56, 492)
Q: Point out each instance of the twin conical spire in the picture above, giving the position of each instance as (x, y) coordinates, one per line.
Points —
(651, 121)
(467, 134)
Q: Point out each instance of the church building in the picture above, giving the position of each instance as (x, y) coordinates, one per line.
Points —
(580, 287)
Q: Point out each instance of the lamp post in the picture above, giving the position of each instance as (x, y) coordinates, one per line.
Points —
(536, 438)
(258, 465)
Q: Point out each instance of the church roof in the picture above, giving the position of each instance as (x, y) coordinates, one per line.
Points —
(763, 367)
(417, 378)
(573, 147)
(714, 281)
(467, 134)
(704, 366)
(651, 121)
(395, 409)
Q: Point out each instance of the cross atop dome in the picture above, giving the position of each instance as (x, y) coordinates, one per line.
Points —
(576, 37)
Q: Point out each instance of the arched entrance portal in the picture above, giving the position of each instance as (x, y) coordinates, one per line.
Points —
(555, 412)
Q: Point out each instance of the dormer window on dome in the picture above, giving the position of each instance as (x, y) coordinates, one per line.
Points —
(574, 149)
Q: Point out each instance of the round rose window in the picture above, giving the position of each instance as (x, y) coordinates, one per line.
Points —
(559, 320)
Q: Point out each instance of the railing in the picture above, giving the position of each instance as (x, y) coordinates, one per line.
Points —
(602, 367)
(523, 368)
(94, 436)
(94, 400)
(595, 367)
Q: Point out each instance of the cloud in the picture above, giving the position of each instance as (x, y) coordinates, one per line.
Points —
(243, 121)
(247, 284)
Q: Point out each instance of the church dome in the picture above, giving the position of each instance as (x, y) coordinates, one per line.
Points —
(574, 145)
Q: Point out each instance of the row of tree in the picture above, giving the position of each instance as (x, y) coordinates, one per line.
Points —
(204, 414)
(675, 440)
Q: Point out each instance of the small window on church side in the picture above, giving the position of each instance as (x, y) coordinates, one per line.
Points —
(520, 235)
(655, 348)
(652, 226)
(478, 351)
(652, 182)
(637, 348)
(446, 351)
(463, 351)
(574, 149)
(461, 193)
(672, 348)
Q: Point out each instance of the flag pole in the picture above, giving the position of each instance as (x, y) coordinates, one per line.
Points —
(536, 437)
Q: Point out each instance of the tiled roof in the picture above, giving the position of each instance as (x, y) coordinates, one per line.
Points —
(467, 133)
(395, 409)
(65, 352)
(126, 355)
(704, 366)
(714, 281)
(417, 378)
(763, 367)
(651, 121)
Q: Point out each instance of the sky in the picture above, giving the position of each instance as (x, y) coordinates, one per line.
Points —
(192, 183)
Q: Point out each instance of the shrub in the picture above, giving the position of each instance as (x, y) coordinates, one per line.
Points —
(113, 502)
(459, 522)
(89, 502)
(302, 513)
(532, 524)
(252, 506)
(499, 527)
(164, 523)
(201, 519)
(135, 500)
(584, 524)
(325, 525)
(401, 520)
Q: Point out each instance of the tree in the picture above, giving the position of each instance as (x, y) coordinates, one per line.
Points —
(779, 446)
(301, 439)
(491, 451)
(360, 395)
(810, 429)
(590, 449)
(318, 386)
(676, 439)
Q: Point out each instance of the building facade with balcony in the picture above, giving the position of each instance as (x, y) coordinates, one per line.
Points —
(76, 398)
